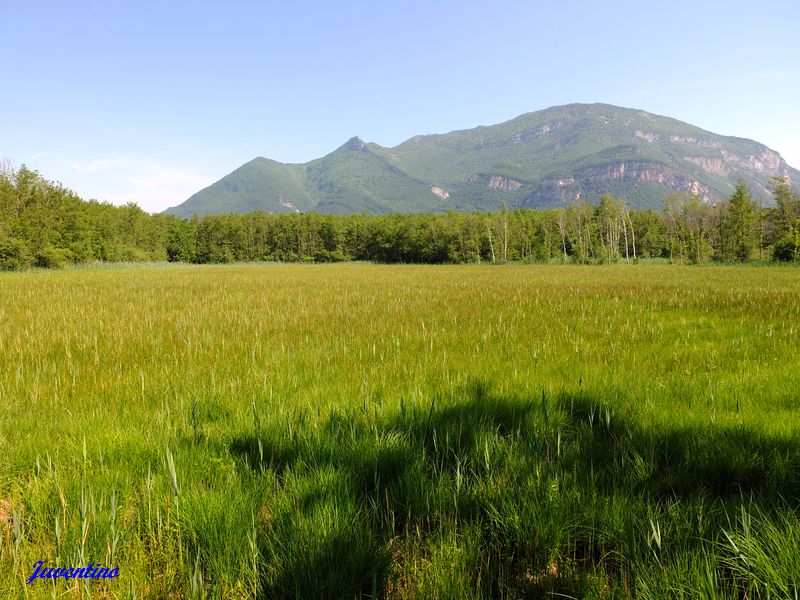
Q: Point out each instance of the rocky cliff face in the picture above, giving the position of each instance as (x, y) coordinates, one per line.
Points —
(724, 163)
(766, 161)
(562, 190)
(554, 191)
(715, 166)
(286, 203)
(439, 192)
(649, 173)
(727, 165)
(498, 182)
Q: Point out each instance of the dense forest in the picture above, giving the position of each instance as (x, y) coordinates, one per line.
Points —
(43, 224)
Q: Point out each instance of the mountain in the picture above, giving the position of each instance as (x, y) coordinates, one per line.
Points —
(538, 160)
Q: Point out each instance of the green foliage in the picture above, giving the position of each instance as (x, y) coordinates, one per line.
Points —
(786, 221)
(49, 257)
(690, 225)
(787, 202)
(737, 225)
(787, 249)
(46, 226)
(14, 253)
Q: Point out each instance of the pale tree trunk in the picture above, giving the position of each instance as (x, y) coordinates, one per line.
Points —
(625, 232)
(562, 228)
(505, 232)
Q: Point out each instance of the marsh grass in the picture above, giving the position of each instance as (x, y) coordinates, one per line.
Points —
(356, 431)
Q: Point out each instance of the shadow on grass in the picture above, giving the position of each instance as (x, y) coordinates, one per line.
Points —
(423, 469)
(720, 462)
(391, 469)
(442, 436)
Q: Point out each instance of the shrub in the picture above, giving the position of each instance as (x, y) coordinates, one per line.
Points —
(50, 257)
(14, 254)
(785, 249)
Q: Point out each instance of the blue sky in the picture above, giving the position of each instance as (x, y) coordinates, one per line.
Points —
(149, 102)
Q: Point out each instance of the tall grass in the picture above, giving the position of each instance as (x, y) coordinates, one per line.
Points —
(426, 432)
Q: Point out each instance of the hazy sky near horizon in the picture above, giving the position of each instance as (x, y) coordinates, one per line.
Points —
(149, 102)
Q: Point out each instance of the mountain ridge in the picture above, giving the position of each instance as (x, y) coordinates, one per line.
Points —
(538, 159)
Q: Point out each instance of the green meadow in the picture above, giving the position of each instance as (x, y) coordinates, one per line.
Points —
(366, 431)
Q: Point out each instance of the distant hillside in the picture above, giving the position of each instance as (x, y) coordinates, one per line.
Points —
(538, 160)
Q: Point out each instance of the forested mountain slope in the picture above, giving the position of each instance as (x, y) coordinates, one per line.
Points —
(543, 159)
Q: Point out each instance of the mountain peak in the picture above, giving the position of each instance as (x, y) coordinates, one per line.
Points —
(356, 144)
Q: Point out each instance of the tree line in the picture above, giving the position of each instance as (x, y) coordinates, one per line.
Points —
(42, 224)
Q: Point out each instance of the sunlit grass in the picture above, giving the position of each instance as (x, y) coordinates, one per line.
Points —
(402, 431)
